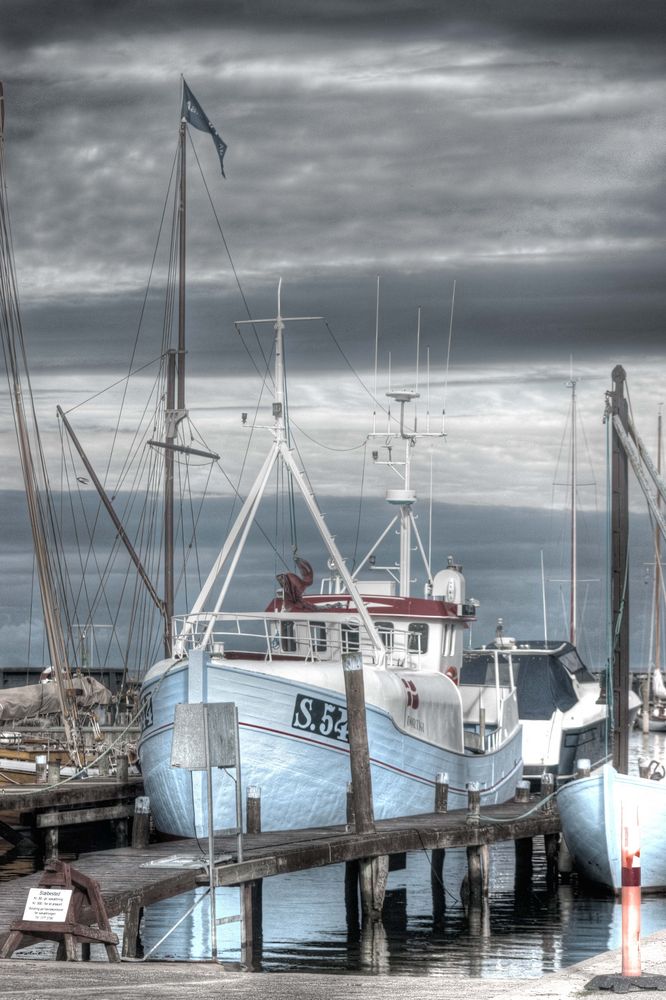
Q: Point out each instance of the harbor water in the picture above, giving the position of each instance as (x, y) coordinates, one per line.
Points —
(526, 931)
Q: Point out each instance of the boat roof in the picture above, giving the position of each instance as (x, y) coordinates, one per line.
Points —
(378, 606)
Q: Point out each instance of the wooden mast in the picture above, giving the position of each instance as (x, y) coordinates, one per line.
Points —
(175, 402)
(14, 349)
(573, 603)
(620, 575)
(657, 563)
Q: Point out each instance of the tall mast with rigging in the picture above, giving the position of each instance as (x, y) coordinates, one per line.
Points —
(573, 603)
(32, 461)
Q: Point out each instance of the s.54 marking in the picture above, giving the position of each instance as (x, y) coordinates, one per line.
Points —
(320, 717)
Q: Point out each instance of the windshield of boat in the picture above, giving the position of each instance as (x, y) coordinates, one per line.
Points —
(541, 685)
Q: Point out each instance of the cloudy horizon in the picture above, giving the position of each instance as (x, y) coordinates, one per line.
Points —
(513, 148)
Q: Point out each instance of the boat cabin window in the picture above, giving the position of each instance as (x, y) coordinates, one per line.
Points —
(417, 637)
(287, 639)
(318, 636)
(479, 668)
(385, 630)
(351, 638)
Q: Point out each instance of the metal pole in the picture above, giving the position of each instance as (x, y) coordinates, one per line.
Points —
(211, 840)
(620, 577)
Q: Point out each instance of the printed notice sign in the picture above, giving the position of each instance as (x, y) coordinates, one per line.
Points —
(47, 904)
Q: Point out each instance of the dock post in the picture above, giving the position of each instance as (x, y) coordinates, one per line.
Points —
(522, 793)
(474, 863)
(524, 849)
(643, 767)
(582, 768)
(53, 774)
(122, 764)
(141, 822)
(547, 788)
(103, 765)
(351, 876)
(551, 843)
(132, 922)
(51, 844)
(441, 792)
(438, 854)
(252, 892)
(373, 872)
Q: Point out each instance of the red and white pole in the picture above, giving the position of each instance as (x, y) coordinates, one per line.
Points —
(631, 892)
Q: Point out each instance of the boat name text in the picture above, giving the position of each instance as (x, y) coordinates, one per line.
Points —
(320, 717)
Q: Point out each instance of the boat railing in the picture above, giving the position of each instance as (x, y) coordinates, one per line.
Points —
(490, 716)
(271, 636)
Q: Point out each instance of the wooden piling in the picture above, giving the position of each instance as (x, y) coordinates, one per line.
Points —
(53, 772)
(359, 754)
(132, 921)
(524, 850)
(373, 872)
(551, 842)
(141, 821)
(441, 792)
(122, 765)
(252, 892)
(522, 793)
(438, 854)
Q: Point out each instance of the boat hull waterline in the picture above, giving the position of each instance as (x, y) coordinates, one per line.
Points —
(591, 813)
(303, 775)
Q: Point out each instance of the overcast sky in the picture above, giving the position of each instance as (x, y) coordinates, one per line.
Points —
(514, 147)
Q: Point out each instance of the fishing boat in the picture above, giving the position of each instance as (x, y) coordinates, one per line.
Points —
(560, 704)
(591, 811)
(281, 661)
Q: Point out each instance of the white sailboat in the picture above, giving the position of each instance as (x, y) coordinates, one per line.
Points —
(560, 703)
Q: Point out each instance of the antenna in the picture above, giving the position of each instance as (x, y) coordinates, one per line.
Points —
(374, 414)
(448, 352)
(418, 346)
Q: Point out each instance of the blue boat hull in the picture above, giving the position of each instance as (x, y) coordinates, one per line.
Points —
(303, 776)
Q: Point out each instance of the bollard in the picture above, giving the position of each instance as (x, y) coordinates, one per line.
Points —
(473, 798)
(522, 791)
(631, 893)
(103, 766)
(582, 768)
(41, 769)
(441, 792)
(141, 822)
(547, 784)
(644, 767)
(54, 772)
(253, 809)
(121, 768)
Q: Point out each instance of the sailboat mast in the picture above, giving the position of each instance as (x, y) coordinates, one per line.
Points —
(573, 609)
(657, 564)
(175, 401)
(14, 351)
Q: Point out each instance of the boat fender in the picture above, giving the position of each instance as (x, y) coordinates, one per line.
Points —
(452, 673)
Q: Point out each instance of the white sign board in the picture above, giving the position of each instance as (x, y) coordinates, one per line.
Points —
(50, 905)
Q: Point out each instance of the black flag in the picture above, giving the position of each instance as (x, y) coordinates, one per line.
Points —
(193, 113)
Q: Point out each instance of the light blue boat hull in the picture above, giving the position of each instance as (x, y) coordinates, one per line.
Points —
(591, 813)
(303, 778)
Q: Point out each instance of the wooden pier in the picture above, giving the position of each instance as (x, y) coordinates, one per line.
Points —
(35, 813)
(132, 878)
